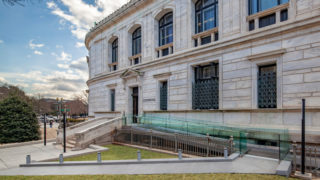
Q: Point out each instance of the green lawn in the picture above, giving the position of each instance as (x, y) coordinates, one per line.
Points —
(149, 177)
(117, 152)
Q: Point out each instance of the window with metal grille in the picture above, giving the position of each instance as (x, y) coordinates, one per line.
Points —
(206, 15)
(166, 29)
(164, 96)
(267, 86)
(136, 42)
(113, 99)
(205, 89)
(256, 6)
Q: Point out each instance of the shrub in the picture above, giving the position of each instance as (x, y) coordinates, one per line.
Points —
(18, 122)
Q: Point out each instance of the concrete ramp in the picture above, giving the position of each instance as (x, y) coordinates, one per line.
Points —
(96, 131)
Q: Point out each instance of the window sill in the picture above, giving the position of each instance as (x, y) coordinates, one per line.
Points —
(135, 56)
(268, 11)
(113, 64)
(205, 33)
(164, 47)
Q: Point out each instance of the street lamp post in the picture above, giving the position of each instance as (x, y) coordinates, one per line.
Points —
(64, 128)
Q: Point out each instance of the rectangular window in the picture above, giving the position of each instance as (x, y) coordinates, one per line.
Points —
(284, 15)
(205, 89)
(267, 86)
(165, 52)
(251, 25)
(205, 40)
(164, 96)
(267, 20)
(113, 99)
(256, 6)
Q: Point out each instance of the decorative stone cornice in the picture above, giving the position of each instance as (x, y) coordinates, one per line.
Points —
(267, 54)
(132, 4)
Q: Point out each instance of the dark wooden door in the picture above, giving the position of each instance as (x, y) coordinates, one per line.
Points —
(135, 104)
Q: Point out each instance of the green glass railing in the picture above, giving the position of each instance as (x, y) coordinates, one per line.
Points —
(242, 136)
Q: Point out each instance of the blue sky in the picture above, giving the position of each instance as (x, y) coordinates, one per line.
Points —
(41, 44)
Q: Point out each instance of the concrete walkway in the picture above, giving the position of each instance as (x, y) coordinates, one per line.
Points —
(246, 164)
(12, 157)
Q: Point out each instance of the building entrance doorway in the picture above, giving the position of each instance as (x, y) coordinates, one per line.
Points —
(135, 104)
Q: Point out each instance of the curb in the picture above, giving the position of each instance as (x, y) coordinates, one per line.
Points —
(231, 158)
(25, 143)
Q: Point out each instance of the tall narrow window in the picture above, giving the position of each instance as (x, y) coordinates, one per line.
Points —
(114, 52)
(267, 86)
(136, 42)
(113, 99)
(205, 89)
(164, 95)
(206, 15)
(166, 29)
(256, 6)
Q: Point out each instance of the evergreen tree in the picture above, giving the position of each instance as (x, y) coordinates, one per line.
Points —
(18, 122)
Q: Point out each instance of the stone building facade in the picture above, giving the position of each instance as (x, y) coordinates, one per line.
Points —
(250, 62)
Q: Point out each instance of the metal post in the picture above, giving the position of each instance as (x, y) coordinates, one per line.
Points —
(61, 158)
(139, 155)
(303, 142)
(207, 144)
(44, 130)
(99, 157)
(231, 144)
(225, 152)
(180, 154)
(131, 135)
(64, 131)
(279, 147)
(28, 159)
(151, 138)
(175, 142)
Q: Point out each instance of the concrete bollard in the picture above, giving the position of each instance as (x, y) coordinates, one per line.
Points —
(225, 152)
(99, 157)
(139, 155)
(61, 158)
(28, 159)
(180, 154)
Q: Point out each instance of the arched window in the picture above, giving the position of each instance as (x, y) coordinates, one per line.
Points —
(256, 6)
(206, 15)
(166, 29)
(115, 51)
(136, 41)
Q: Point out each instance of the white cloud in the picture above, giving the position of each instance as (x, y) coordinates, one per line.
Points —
(2, 80)
(63, 66)
(63, 57)
(37, 52)
(1, 41)
(81, 15)
(59, 46)
(34, 46)
(79, 44)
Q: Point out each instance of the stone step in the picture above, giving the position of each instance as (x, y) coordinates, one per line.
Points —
(72, 142)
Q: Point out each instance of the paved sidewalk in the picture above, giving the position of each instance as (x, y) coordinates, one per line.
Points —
(246, 164)
(14, 156)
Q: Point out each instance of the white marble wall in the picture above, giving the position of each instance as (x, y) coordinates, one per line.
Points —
(298, 66)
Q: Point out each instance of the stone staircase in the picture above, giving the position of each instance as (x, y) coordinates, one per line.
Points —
(96, 131)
